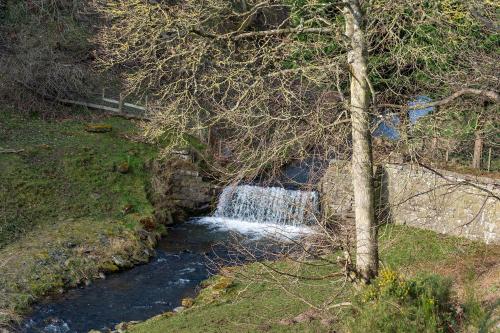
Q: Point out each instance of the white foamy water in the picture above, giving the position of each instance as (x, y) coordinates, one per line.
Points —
(274, 205)
(264, 211)
(256, 230)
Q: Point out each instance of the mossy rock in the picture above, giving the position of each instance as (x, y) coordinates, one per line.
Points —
(222, 283)
(214, 289)
(110, 267)
(98, 128)
(123, 168)
(187, 302)
(148, 223)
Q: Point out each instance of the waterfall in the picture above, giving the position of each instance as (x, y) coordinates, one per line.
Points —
(271, 205)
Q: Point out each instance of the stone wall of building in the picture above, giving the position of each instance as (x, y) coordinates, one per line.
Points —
(438, 200)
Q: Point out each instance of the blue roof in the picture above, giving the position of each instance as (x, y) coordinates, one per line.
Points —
(414, 115)
(389, 127)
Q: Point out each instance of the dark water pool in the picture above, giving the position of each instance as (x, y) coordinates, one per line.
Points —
(181, 263)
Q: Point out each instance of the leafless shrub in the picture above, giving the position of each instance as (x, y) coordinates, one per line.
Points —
(46, 50)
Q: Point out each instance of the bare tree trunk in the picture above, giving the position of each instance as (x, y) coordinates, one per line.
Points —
(478, 151)
(362, 162)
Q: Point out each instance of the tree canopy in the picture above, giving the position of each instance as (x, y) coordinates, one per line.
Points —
(270, 78)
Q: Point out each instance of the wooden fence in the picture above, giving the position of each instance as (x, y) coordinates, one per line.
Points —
(119, 110)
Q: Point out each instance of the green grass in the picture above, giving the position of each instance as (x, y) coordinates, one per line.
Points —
(255, 304)
(62, 219)
(62, 201)
(402, 247)
(257, 299)
(66, 172)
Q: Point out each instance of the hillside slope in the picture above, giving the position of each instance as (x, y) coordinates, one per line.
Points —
(71, 203)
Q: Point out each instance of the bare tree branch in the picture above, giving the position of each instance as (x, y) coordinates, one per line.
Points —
(493, 95)
(284, 31)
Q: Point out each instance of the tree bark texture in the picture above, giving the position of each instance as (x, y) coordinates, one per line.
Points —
(362, 161)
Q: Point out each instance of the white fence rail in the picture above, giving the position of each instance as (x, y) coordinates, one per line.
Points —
(118, 111)
(130, 105)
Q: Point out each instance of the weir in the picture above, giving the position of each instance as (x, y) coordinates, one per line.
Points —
(270, 205)
(260, 215)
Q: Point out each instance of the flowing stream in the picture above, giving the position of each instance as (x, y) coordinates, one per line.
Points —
(256, 216)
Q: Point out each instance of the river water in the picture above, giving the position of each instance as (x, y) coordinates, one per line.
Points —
(262, 219)
(184, 258)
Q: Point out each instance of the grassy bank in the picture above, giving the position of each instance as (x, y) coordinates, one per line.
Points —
(71, 203)
(256, 298)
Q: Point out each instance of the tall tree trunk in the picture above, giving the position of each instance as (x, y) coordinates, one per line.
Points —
(478, 151)
(362, 161)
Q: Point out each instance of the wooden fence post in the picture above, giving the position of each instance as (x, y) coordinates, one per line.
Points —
(120, 103)
(489, 159)
(478, 151)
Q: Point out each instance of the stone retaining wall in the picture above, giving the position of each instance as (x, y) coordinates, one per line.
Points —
(178, 191)
(443, 201)
(438, 200)
(335, 190)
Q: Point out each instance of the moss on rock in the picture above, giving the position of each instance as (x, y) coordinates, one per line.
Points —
(98, 128)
